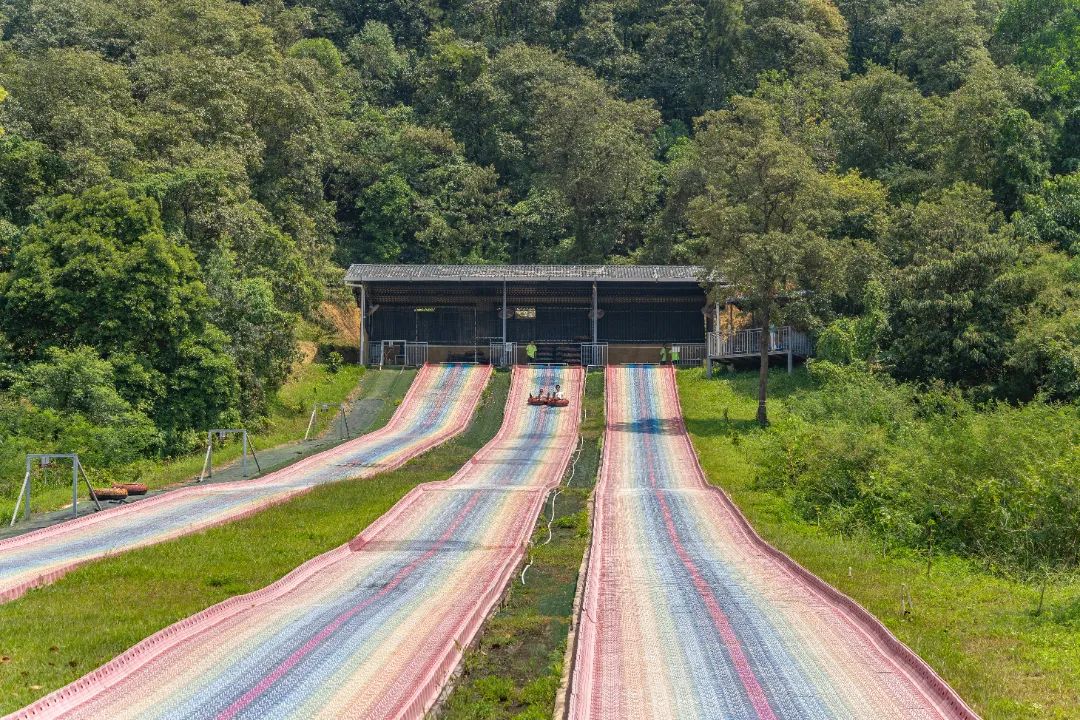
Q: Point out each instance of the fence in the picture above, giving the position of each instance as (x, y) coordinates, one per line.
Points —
(416, 354)
(594, 354)
(690, 354)
(747, 343)
(397, 353)
(502, 354)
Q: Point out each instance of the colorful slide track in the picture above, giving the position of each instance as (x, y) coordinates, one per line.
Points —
(687, 613)
(439, 405)
(372, 629)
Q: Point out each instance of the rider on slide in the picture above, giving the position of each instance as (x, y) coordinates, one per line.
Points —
(556, 397)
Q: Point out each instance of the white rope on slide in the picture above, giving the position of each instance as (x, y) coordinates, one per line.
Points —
(573, 469)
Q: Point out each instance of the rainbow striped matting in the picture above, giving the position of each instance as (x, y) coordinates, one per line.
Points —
(440, 403)
(372, 629)
(687, 613)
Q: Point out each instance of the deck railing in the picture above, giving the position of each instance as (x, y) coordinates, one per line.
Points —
(747, 343)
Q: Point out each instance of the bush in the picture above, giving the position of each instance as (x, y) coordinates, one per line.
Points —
(334, 361)
(861, 453)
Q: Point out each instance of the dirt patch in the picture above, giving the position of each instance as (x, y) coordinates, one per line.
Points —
(344, 320)
(307, 351)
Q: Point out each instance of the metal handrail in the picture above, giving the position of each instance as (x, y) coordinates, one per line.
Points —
(747, 343)
(594, 354)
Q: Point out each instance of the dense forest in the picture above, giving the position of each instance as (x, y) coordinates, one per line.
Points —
(181, 181)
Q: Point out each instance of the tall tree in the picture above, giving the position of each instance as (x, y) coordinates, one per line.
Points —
(765, 215)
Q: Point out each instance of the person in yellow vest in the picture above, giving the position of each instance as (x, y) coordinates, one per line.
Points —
(530, 351)
(663, 354)
(674, 354)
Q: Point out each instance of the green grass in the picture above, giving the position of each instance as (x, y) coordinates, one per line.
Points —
(978, 630)
(288, 417)
(515, 668)
(54, 635)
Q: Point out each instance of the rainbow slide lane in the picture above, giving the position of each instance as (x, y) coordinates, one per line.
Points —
(439, 404)
(688, 614)
(372, 629)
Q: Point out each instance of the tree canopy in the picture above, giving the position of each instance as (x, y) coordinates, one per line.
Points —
(181, 182)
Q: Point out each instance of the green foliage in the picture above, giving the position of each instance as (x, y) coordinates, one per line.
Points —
(925, 467)
(765, 214)
(848, 340)
(333, 362)
(76, 381)
(97, 269)
(955, 288)
(941, 40)
(279, 140)
(1052, 215)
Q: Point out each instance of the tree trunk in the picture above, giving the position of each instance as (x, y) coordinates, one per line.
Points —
(763, 374)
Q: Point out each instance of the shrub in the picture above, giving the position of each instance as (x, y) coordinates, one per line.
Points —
(334, 361)
(860, 453)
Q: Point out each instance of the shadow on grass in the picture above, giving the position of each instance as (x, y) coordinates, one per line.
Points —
(716, 427)
(781, 384)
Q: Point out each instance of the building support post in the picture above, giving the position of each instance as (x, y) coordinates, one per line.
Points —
(595, 313)
(504, 315)
(708, 368)
(363, 325)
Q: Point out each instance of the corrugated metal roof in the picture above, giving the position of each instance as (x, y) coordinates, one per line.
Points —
(478, 273)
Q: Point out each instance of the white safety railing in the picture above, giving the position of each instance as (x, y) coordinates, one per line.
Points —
(746, 343)
(416, 354)
(690, 354)
(594, 354)
(502, 354)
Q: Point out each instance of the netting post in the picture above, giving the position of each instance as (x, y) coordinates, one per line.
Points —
(363, 325)
(75, 487)
(86, 479)
(206, 459)
(311, 422)
(26, 509)
(595, 312)
(22, 493)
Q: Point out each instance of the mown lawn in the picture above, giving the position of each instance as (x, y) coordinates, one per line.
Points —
(979, 631)
(515, 668)
(55, 634)
(289, 413)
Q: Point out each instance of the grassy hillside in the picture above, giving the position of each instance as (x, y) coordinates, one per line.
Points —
(288, 415)
(975, 626)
